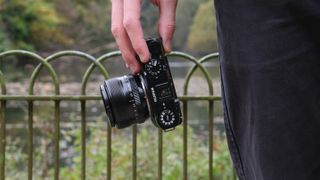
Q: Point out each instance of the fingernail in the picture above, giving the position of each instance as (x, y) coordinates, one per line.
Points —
(127, 66)
(167, 46)
(132, 70)
(145, 58)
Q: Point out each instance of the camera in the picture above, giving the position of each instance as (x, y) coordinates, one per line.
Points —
(131, 99)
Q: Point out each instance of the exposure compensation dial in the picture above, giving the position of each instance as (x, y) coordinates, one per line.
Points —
(167, 117)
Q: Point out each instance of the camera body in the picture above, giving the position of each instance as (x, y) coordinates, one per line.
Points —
(133, 98)
(158, 84)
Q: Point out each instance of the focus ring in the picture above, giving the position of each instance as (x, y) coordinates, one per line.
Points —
(135, 91)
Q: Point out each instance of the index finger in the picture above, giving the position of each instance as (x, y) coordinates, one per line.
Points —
(131, 22)
(121, 36)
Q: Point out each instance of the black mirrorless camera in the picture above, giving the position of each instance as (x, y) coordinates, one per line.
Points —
(132, 99)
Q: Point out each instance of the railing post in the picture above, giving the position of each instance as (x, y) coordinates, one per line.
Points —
(210, 129)
(57, 140)
(2, 128)
(185, 140)
(30, 139)
(109, 140)
(83, 140)
(160, 146)
(134, 152)
(2, 139)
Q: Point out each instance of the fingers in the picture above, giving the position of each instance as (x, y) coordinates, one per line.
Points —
(167, 22)
(132, 25)
(128, 53)
(127, 30)
(121, 36)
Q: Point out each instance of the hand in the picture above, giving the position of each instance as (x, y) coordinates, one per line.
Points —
(127, 30)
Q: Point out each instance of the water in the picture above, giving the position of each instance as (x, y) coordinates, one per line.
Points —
(179, 68)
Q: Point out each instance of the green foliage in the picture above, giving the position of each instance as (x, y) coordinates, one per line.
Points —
(93, 13)
(32, 23)
(88, 24)
(15, 159)
(147, 156)
(222, 168)
(4, 42)
(186, 11)
(96, 148)
(202, 35)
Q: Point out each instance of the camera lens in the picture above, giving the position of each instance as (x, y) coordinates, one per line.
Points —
(124, 101)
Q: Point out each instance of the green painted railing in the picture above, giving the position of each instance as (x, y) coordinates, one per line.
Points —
(82, 98)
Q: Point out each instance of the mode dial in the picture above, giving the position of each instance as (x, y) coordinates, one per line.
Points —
(153, 67)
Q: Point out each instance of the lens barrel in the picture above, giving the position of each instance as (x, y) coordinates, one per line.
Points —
(124, 101)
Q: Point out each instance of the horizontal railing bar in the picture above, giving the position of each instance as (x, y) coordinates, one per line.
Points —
(199, 98)
(88, 98)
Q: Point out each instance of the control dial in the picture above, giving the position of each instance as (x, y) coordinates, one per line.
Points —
(153, 67)
(167, 117)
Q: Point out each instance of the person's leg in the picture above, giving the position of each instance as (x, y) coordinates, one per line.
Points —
(270, 68)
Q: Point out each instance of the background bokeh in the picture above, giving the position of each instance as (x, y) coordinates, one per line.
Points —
(48, 26)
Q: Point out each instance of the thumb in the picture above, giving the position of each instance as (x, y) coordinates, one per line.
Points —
(167, 22)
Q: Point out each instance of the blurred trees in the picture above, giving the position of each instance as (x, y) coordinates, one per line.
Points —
(202, 37)
(4, 42)
(30, 24)
(45, 26)
(88, 24)
(186, 11)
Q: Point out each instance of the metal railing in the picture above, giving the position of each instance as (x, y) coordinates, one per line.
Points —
(30, 98)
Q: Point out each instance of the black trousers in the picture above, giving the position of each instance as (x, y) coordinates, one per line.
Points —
(270, 69)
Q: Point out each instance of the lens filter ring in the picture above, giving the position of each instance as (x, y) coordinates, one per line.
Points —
(124, 103)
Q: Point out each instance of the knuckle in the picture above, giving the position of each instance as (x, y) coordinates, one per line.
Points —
(139, 49)
(170, 25)
(167, 28)
(116, 30)
(129, 23)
